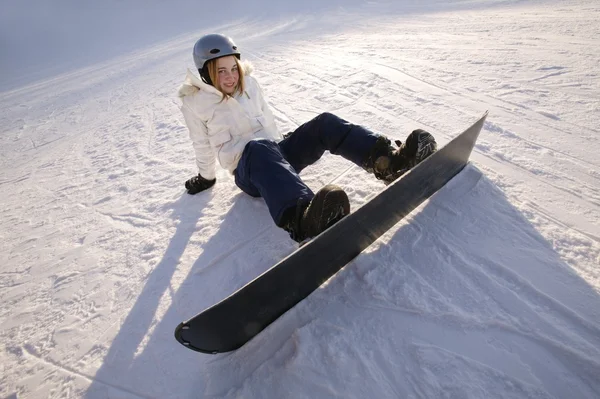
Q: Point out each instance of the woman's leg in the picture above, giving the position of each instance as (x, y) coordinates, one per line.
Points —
(327, 132)
(372, 152)
(264, 172)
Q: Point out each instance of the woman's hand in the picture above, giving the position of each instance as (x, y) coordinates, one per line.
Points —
(198, 183)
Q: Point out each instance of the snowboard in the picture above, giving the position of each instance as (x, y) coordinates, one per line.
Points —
(235, 320)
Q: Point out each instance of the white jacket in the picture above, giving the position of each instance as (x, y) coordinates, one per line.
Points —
(221, 130)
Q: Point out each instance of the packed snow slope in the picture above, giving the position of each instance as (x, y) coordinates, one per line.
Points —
(491, 289)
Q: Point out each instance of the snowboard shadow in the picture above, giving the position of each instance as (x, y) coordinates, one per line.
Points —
(467, 273)
(144, 358)
(467, 251)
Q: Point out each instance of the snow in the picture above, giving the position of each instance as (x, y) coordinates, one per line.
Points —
(489, 289)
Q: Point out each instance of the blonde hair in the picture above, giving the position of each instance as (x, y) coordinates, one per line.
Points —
(213, 72)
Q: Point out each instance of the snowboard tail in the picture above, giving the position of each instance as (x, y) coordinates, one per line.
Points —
(235, 320)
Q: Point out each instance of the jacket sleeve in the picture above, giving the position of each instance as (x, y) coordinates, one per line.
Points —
(205, 157)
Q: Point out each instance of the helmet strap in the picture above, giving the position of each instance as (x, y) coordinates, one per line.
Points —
(205, 75)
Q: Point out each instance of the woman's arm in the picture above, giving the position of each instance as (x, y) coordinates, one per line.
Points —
(205, 157)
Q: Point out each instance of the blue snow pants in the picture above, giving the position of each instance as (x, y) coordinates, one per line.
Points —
(270, 170)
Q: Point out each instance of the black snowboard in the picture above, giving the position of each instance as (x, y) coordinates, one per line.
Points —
(235, 320)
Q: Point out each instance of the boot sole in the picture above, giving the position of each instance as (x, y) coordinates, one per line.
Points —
(331, 208)
(335, 206)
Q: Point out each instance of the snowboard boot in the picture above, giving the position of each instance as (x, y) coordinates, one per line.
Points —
(388, 163)
(309, 219)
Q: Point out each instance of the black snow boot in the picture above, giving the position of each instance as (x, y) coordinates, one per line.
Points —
(309, 219)
(388, 163)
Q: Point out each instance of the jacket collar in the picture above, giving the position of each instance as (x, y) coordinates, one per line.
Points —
(193, 84)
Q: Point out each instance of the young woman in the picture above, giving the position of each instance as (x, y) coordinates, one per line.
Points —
(230, 122)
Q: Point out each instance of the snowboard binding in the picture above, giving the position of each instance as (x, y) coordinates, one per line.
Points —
(388, 163)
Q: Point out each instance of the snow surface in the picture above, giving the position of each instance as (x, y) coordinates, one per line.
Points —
(489, 289)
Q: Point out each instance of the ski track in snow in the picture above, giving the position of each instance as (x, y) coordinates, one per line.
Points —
(489, 289)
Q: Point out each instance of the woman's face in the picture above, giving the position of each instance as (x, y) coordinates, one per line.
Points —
(227, 71)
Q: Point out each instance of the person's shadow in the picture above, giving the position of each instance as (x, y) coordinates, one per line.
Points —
(467, 273)
(150, 367)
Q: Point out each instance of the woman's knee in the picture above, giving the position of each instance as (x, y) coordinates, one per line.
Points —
(260, 145)
(263, 151)
(328, 117)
